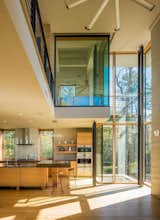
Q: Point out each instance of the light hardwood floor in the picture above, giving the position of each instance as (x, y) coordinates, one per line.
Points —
(104, 202)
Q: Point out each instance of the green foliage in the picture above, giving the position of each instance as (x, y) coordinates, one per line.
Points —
(9, 144)
(46, 144)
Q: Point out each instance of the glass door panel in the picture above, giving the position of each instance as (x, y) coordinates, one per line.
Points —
(99, 151)
(104, 154)
(127, 154)
(107, 154)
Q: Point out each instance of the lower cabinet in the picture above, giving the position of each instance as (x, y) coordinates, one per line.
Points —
(24, 177)
(84, 170)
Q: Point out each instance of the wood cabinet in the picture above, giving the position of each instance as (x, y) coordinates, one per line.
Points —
(24, 177)
(84, 154)
(84, 138)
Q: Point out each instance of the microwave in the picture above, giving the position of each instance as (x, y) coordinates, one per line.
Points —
(84, 160)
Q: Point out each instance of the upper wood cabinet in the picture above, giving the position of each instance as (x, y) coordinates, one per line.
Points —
(84, 138)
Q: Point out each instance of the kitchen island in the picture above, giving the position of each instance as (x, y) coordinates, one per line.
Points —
(28, 174)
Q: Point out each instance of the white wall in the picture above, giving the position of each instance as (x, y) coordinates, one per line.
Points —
(82, 112)
(1, 153)
(155, 155)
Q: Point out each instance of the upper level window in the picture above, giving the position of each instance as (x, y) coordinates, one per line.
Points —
(82, 71)
(67, 94)
(9, 145)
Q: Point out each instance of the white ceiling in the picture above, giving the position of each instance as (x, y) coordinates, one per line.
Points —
(135, 20)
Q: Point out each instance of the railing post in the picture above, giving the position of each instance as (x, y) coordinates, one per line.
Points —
(33, 15)
(36, 23)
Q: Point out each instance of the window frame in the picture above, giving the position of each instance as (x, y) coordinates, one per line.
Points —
(40, 149)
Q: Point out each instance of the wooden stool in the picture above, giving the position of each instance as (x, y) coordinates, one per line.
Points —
(71, 169)
(59, 175)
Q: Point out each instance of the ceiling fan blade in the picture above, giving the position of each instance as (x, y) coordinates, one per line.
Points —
(69, 6)
(117, 14)
(100, 10)
(146, 4)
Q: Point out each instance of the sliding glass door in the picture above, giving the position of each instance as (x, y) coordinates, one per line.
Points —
(117, 138)
(107, 154)
(104, 154)
(99, 153)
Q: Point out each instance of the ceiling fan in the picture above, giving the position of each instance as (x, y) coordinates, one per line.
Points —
(144, 3)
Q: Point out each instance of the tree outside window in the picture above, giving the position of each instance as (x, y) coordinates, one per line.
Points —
(46, 145)
(9, 145)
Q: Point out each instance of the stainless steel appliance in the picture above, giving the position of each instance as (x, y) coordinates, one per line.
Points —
(84, 160)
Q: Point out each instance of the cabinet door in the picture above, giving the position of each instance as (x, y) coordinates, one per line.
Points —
(84, 138)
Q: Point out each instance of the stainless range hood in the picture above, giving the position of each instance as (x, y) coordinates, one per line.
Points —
(23, 136)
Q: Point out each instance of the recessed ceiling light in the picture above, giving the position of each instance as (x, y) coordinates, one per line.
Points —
(20, 114)
(38, 114)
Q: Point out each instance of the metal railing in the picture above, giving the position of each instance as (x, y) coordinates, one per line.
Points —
(37, 27)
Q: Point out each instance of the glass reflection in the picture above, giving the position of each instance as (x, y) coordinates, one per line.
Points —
(82, 71)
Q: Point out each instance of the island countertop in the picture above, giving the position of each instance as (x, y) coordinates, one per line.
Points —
(38, 164)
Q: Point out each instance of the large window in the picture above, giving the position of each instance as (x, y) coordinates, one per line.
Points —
(9, 145)
(126, 111)
(46, 145)
(82, 71)
(117, 139)
(126, 88)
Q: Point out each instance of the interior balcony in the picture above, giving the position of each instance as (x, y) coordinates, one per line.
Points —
(25, 61)
(82, 76)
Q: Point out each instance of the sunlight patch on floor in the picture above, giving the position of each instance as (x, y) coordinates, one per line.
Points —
(60, 211)
(118, 197)
(40, 201)
(13, 217)
(91, 191)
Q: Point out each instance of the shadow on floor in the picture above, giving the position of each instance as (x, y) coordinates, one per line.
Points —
(100, 202)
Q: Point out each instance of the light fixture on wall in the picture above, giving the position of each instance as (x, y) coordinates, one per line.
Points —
(156, 132)
(144, 3)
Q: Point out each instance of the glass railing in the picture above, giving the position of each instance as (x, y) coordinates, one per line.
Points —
(83, 101)
(82, 70)
(37, 27)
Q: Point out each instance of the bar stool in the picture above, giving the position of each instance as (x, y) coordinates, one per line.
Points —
(59, 176)
(71, 170)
